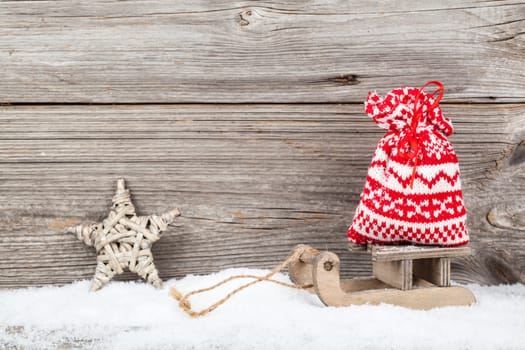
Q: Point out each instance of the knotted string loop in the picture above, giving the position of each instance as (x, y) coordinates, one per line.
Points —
(410, 139)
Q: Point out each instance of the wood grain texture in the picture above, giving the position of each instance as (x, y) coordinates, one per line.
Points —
(166, 51)
(397, 274)
(435, 271)
(252, 181)
(394, 253)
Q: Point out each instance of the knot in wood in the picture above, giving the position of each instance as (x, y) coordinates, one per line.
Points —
(242, 17)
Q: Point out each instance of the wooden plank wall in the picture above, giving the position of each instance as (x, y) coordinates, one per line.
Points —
(248, 117)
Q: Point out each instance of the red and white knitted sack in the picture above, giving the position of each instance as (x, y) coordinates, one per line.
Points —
(413, 191)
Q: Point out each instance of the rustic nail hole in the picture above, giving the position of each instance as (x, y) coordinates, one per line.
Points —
(328, 266)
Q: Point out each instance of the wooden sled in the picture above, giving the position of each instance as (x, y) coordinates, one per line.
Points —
(415, 277)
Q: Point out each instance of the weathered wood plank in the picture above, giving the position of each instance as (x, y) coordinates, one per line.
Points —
(397, 274)
(252, 181)
(435, 271)
(394, 253)
(257, 51)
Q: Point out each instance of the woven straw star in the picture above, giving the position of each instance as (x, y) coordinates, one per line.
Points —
(123, 240)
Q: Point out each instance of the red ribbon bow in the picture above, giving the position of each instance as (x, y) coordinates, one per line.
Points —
(410, 138)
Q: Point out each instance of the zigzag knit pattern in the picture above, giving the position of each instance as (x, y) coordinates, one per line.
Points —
(411, 200)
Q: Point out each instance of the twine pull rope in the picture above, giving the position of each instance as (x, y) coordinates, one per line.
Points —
(185, 304)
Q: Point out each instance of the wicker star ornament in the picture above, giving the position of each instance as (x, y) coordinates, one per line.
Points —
(123, 240)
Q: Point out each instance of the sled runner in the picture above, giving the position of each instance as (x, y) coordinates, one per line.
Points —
(416, 277)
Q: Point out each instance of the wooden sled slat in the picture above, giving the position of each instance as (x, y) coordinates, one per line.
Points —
(397, 274)
(436, 271)
(419, 283)
(394, 253)
(399, 265)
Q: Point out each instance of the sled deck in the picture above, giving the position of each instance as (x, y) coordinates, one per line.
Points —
(416, 277)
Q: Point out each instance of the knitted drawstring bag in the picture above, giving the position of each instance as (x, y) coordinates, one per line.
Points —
(412, 191)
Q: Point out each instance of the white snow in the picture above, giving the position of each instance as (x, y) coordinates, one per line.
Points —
(134, 315)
